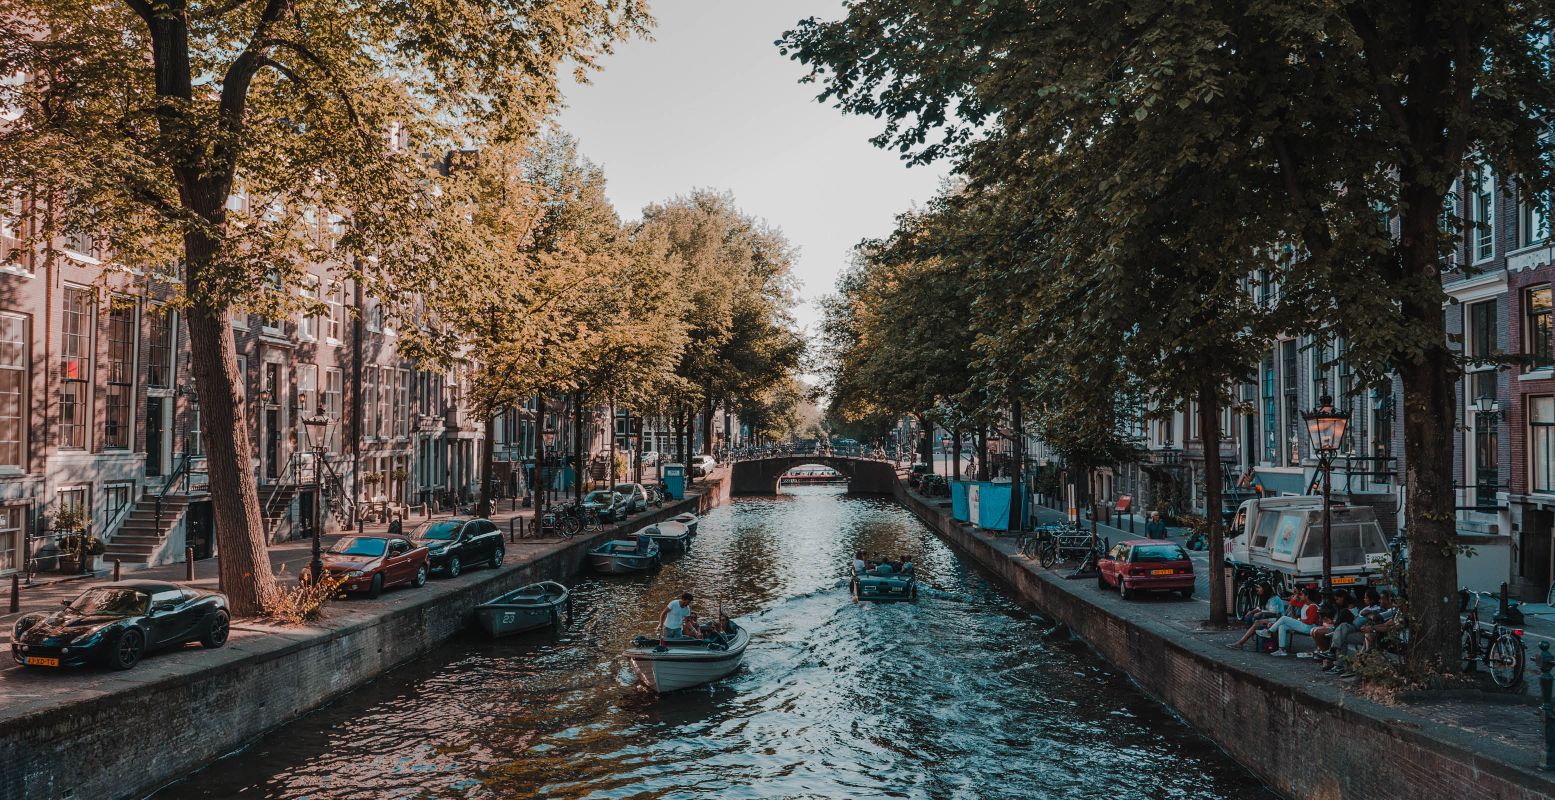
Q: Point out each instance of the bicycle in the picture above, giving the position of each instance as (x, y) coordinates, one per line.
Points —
(1054, 543)
(1247, 579)
(1498, 648)
(564, 524)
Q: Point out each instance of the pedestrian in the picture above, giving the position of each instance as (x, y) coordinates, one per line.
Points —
(396, 527)
(1155, 528)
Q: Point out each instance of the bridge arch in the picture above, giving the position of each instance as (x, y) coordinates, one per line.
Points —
(760, 475)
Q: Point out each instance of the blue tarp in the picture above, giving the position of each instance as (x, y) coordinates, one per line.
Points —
(992, 502)
(958, 500)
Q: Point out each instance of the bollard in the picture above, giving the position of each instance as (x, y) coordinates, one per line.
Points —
(511, 524)
(16, 593)
(188, 563)
(1546, 683)
(117, 565)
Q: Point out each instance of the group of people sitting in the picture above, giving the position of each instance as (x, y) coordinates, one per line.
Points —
(678, 621)
(1331, 618)
(881, 564)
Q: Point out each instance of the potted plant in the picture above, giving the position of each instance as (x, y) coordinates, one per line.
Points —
(75, 547)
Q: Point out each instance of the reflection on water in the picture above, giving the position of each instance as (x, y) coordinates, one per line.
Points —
(955, 696)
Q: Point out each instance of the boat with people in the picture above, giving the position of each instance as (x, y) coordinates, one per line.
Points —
(689, 520)
(883, 580)
(670, 536)
(667, 665)
(817, 475)
(526, 608)
(621, 556)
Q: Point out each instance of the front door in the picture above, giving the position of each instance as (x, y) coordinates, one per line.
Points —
(272, 443)
(305, 513)
(202, 529)
(154, 445)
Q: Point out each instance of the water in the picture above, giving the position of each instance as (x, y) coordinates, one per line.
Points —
(959, 695)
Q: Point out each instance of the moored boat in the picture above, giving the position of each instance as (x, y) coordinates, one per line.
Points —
(885, 587)
(670, 536)
(526, 608)
(683, 663)
(624, 556)
(689, 520)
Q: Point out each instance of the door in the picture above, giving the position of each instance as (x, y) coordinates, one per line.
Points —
(155, 462)
(170, 617)
(1534, 561)
(490, 538)
(305, 514)
(273, 442)
(397, 566)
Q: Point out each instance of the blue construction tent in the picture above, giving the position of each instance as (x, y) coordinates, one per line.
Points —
(989, 502)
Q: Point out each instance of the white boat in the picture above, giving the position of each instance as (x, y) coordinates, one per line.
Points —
(689, 520)
(670, 536)
(682, 663)
(624, 556)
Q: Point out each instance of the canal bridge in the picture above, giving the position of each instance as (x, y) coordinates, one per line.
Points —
(758, 473)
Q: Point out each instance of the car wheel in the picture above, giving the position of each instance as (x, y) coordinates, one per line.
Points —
(1123, 592)
(497, 556)
(127, 652)
(454, 567)
(216, 634)
(377, 586)
(421, 577)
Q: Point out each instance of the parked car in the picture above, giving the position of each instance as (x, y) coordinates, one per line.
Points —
(636, 496)
(453, 544)
(702, 465)
(373, 563)
(116, 623)
(612, 507)
(1145, 565)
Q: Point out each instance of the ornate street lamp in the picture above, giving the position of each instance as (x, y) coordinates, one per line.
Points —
(1325, 430)
(317, 429)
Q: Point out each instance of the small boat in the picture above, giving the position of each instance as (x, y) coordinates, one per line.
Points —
(687, 662)
(689, 520)
(624, 556)
(524, 609)
(885, 587)
(670, 536)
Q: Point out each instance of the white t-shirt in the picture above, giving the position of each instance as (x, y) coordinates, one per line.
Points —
(859, 566)
(676, 614)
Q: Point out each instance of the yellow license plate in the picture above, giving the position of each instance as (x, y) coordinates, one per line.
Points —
(1162, 571)
(40, 661)
(1344, 580)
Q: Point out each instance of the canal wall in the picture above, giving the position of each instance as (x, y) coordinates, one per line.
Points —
(1303, 739)
(130, 733)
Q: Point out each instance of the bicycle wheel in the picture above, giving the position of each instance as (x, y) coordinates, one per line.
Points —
(1246, 599)
(1507, 658)
(1047, 553)
(569, 526)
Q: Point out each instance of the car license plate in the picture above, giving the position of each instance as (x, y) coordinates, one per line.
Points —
(1344, 580)
(1162, 571)
(40, 661)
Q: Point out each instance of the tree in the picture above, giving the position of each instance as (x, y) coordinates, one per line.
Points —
(163, 110)
(1361, 115)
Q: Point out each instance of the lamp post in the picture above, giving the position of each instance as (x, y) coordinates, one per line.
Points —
(1325, 431)
(317, 428)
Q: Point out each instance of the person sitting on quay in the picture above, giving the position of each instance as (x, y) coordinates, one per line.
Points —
(1274, 607)
(1302, 618)
(1354, 631)
(1324, 635)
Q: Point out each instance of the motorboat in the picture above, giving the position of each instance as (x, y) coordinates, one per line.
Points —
(682, 663)
(689, 520)
(670, 536)
(883, 584)
(526, 608)
(619, 556)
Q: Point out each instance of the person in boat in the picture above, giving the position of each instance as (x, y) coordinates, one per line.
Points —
(884, 568)
(673, 618)
(860, 563)
(691, 628)
(906, 565)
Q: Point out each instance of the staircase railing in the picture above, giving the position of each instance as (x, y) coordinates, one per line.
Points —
(292, 470)
(337, 490)
(180, 470)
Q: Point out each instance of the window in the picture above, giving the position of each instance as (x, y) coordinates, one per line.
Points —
(14, 355)
(11, 537)
(75, 368)
(402, 405)
(272, 384)
(1533, 220)
(74, 497)
(369, 401)
(121, 373)
(238, 199)
(83, 243)
(307, 320)
(1541, 443)
(196, 439)
(116, 496)
(1480, 333)
(159, 351)
(1292, 402)
(334, 381)
(385, 402)
(337, 313)
(374, 315)
(307, 389)
(1484, 199)
(1271, 415)
(1486, 458)
(1536, 313)
(1450, 223)
(242, 386)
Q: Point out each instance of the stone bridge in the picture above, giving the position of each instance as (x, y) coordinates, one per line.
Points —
(759, 475)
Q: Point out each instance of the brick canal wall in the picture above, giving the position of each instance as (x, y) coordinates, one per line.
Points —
(128, 736)
(1304, 740)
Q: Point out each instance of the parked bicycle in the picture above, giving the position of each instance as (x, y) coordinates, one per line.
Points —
(1050, 544)
(561, 522)
(1245, 594)
(1498, 648)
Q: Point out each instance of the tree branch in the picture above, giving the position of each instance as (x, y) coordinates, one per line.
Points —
(218, 11)
(1380, 61)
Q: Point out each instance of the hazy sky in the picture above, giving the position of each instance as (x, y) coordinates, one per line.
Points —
(711, 103)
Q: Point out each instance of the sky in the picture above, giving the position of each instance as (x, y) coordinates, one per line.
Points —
(710, 103)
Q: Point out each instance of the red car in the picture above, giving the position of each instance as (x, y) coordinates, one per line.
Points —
(373, 563)
(1146, 565)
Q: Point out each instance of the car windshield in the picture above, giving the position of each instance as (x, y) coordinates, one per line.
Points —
(601, 497)
(441, 530)
(111, 601)
(626, 488)
(1159, 552)
(360, 546)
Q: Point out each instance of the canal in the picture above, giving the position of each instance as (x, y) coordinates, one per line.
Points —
(959, 695)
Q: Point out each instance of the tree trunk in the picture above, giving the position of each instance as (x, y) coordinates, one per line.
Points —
(577, 445)
(707, 428)
(537, 486)
(1209, 437)
(1432, 610)
(926, 442)
(955, 460)
(1017, 460)
(610, 449)
(488, 453)
(243, 560)
(636, 423)
(982, 453)
(680, 437)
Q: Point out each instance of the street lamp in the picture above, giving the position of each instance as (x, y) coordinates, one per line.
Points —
(1325, 431)
(317, 428)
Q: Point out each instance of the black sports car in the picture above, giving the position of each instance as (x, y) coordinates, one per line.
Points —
(453, 544)
(115, 623)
